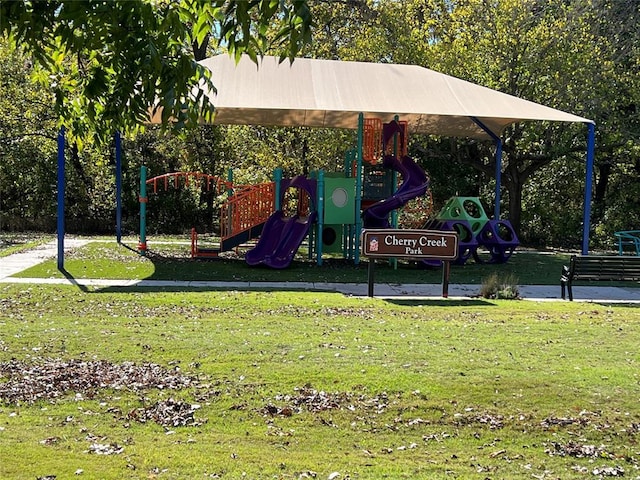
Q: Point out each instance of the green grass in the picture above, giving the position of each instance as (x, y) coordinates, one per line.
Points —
(173, 262)
(316, 383)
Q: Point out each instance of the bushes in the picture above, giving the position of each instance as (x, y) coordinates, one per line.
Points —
(503, 288)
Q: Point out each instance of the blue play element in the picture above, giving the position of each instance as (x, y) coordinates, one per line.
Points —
(500, 239)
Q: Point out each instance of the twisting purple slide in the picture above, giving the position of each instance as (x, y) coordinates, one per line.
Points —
(414, 184)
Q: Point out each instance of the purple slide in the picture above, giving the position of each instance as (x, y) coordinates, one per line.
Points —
(282, 236)
(415, 184)
(276, 225)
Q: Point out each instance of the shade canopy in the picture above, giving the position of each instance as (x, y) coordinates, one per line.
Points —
(330, 93)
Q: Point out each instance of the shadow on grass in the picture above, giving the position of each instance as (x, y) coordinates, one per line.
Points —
(604, 303)
(134, 250)
(175, 271)
(445, 302)
(167, 264)
(171, 269)
(73, 281)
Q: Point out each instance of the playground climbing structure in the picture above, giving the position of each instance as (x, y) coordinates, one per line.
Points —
(331, 209)
(366, 193)
(487, 241)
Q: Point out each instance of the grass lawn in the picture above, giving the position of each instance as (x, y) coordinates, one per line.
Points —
(115, 384)
(172, 261)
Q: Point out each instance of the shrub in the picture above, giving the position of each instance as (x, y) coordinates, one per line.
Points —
(495, 287)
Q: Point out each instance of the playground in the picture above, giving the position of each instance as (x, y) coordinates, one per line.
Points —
(330, 209)
(334, 211)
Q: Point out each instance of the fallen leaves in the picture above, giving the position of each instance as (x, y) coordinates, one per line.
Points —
(50, 441)
(616, 471)
(312, 400)
(577, 450)
(105, 449)
(493, 421)
(550, 422)
(168, 413)
(49, 379)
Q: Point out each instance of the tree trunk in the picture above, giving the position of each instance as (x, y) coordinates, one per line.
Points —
(603, 181)
(513, 181)
(515, 205)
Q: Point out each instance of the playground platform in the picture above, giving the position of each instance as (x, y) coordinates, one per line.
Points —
(15, 263)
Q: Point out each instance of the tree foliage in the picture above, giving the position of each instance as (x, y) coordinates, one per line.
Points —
(107, 62)
(546, 52)
(577, 56)
(27, 144)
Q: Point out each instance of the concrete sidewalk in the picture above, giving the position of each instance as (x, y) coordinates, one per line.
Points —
(13, 264)
(18, 262)
(405, 291)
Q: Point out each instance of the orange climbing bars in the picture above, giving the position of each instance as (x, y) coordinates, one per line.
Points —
(241, 218)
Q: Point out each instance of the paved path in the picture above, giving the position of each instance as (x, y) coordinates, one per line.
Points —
(15, 263)
(18, 262)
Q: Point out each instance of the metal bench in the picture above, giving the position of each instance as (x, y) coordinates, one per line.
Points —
(628, 237)
(597, 268)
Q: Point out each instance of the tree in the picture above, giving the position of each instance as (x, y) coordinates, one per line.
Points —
(108, 62)
(572, 55)
(27, 144)
(555, 52)
(617, 191)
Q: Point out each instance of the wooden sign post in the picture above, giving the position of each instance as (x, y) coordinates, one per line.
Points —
(412, 244)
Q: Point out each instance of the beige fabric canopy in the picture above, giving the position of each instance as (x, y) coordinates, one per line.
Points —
(329, 93)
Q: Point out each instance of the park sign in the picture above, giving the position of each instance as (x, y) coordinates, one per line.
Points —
(415, 244)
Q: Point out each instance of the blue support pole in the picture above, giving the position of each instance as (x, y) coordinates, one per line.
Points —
(118, 147)
(358, 199)
(586, 223)
(61, 191)
(498, 157)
